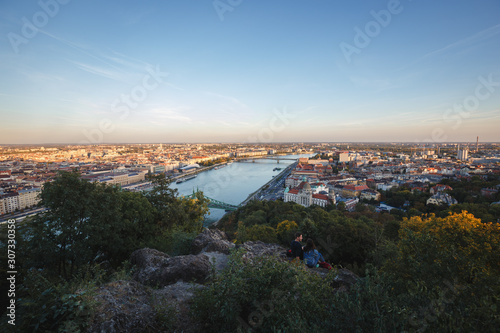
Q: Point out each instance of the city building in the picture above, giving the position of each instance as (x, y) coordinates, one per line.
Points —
(440, 188)
(10, 202)
(462, 154)
(3, 210)
(123, 179)
(303, 195)
(28, 197)
(370, 194)
(441, 198)
(351, 191)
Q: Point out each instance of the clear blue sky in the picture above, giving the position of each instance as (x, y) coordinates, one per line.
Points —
(282, 70)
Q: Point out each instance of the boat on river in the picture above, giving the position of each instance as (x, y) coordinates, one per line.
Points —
(184, 179)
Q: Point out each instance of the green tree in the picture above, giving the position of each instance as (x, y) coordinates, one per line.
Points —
(286, 231)
(163, 199)
(261, 232)
(86, 223)
(183, 213)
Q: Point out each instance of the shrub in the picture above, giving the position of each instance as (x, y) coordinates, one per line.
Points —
(265, 295)
(286, 231)
(62, 307)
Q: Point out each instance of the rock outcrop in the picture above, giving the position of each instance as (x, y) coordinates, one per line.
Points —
(156, 269)
(344, 279)
(133, 306)
(177, 297)
(123, 306)
(212, 241)
(259, 249)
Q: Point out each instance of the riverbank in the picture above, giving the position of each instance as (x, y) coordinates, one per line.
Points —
(270, 185)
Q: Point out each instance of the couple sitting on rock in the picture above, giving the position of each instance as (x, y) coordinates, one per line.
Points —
(311, 256)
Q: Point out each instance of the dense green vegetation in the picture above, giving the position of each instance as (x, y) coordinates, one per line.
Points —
(348, 239)
(437, 275)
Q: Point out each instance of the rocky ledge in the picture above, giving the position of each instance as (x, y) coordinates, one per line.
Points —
(163, 284)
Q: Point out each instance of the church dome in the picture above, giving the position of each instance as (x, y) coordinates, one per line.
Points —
(307, 187)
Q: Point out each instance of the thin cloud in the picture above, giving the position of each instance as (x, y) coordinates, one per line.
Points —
(118, 67)
(468, 41)
(230, 99)
(104, 72)
(169, 114)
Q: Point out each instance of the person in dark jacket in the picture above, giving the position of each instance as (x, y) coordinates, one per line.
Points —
(296, 247)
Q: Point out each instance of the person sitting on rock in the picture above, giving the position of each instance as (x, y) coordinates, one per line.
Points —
(312, 257)
(296, 247)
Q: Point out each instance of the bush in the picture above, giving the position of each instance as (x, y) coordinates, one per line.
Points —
(260, 232)
(265, 295)
(370, 306)
(55, 307)
(174, 241)
(286, 231)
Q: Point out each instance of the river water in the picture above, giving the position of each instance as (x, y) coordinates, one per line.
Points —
(233, 183)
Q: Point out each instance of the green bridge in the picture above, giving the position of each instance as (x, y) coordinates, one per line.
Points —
(216, 203)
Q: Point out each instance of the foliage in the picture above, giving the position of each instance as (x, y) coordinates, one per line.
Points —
(90, 225)
(370, 306)
(286, 231)
(459, 245)
(56, 307)
(85, 223)
(266, 295)
(170, 210)
(342, 237)
(256, 232)
(450, 267)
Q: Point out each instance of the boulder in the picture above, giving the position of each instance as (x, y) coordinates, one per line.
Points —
(173, 302)
(156, 269)
(344, 279)
(144, 258)
(259, 249)
(212, 241)
(123, 306)
(218, 259)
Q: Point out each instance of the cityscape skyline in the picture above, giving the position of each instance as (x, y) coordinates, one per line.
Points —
(241, 71)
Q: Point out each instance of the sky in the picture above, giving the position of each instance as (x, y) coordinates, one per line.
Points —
(91, 72)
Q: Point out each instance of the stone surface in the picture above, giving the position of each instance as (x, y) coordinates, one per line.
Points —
(144, 258)
(177, 297)
(132, 306)
(259, 249)
(123, 306)
(218, 259)
(344, 279)
(156, 269)
(212, 241)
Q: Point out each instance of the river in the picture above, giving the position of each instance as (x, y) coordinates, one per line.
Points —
(233, 183)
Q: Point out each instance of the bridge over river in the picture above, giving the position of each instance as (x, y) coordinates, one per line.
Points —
(213, 203)
(258, 158)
